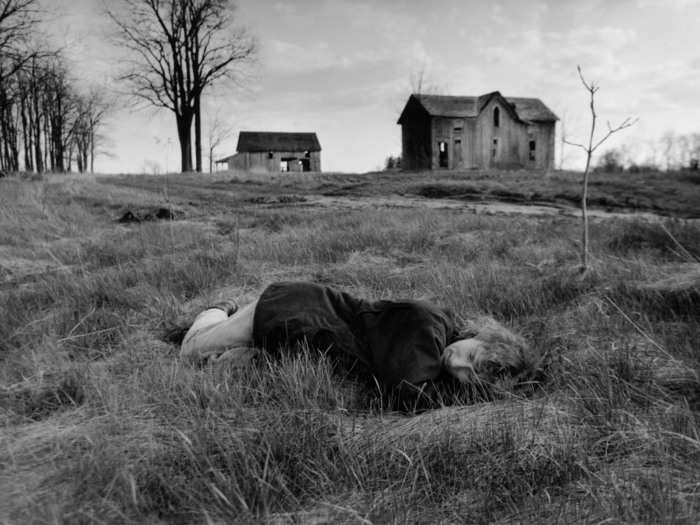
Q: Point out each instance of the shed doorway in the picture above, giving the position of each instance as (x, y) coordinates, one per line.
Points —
(443, 156)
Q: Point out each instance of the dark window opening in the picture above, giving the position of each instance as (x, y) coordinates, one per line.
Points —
(494, 148)
(457, 155)
(443, 161)
(458, 131)
(496, 117)
(307, 154)
(533, 148)
(270, 155)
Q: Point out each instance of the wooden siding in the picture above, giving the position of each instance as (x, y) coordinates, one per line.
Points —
(416, 150)
(271, 162)
(509, 134)
(471, 147)
(543, 135)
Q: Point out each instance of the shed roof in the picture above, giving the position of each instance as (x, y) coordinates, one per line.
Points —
(527, 109)
(249, 141)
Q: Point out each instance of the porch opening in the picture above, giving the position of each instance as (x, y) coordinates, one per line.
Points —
(494, 149)
(533, 148)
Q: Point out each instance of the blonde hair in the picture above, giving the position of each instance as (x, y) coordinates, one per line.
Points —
(505, 351)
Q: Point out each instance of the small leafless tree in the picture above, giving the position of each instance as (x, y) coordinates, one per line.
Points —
(420, 84)
(590, 148)
(217, 132)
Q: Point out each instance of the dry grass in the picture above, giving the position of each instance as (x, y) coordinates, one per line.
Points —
(101, 423)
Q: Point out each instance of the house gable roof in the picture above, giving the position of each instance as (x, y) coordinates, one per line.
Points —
(532, 109)
(256, 141)
(523, 109)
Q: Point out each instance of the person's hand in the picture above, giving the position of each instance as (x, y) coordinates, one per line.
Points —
(240, 356)
(227, 305)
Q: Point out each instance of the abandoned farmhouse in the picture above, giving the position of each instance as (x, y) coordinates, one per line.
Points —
(487, 131)
(271, 151)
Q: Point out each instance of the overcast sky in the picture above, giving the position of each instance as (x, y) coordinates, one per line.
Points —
(344, 69)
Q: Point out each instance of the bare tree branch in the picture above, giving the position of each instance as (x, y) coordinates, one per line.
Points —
(179, 48)
(592, 89)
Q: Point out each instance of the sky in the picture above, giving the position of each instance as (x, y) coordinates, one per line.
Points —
(345, 68)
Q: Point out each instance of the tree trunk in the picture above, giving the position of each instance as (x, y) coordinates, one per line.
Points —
(26, 135)
(211, 160)
(584, 216)
(92, 151)
(69, 165)
(37, 135)
(198, 134)
(184, 135)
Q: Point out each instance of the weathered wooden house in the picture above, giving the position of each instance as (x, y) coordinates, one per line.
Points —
(272, 151)
(488, 131)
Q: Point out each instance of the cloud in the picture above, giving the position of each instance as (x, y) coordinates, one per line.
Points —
(666, 4)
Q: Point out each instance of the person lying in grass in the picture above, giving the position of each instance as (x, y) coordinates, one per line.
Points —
(404, 344)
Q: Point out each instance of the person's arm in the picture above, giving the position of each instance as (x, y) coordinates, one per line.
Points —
(216, 336)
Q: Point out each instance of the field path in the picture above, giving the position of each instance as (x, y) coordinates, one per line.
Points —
(485, 208)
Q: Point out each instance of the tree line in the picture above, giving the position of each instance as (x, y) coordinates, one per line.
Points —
(47, 122)
(174, 51)
(671, 152)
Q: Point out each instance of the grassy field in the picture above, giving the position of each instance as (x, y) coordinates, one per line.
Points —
(102, 424)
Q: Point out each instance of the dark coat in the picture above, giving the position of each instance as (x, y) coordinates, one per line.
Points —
(399, 341)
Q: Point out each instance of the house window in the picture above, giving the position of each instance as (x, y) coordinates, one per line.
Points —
(270, 155)
(533, 148)
(443, 160)
(496, 117)
(284, 165)
(494, 149)
(458, 131)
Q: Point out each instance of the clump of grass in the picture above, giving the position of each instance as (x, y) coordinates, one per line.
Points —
(670, 240)
(53, 394)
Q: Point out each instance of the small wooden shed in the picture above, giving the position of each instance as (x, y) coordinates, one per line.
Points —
(275, 151)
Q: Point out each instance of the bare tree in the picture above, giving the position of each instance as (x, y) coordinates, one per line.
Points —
(92, 109)
(590, 148)
(179, 48)
(217, 132)
(669, 146)
(60, 111)
(216, 48)
(17, 21)
(420, 84)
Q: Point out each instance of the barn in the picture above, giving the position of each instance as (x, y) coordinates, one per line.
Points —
(273, 151)
(487, 131)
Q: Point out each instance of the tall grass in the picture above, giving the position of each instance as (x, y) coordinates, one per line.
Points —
(101, 423)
